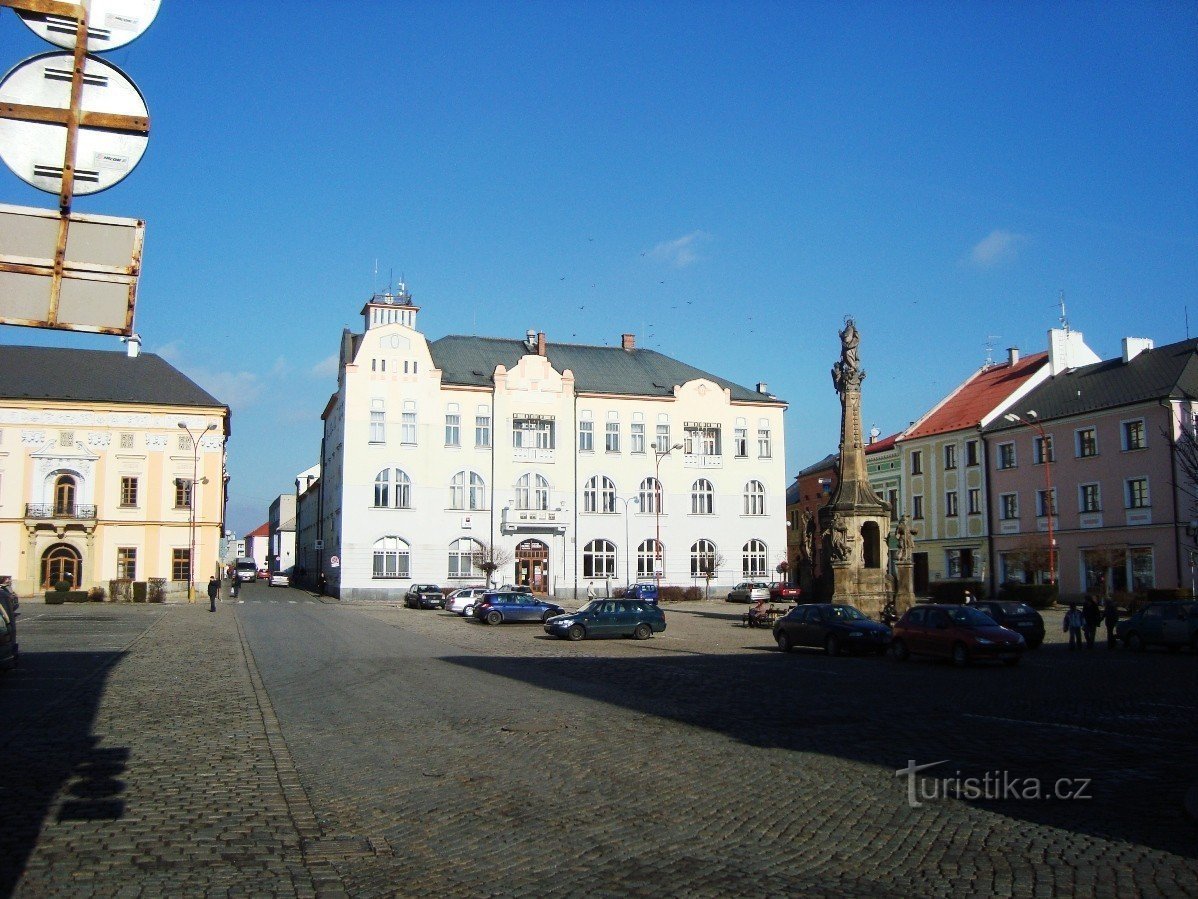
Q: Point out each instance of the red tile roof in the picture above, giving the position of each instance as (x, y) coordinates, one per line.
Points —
(880, 446)
(977, 397)
(262, 530)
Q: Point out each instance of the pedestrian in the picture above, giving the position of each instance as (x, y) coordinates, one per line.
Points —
(1092, 616)
(234, 586)
(1110, 617)
(1073, 626)
(590, 591)
(213, 590)
(968, 598)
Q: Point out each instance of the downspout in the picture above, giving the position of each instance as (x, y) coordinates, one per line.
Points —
(986, 511)
(1168, 407)
(324, 463)
(574, 446)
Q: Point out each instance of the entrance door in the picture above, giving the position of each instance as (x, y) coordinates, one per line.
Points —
(61, 562)
(532, 565)
(920, 572)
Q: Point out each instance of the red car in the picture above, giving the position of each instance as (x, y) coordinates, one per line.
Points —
(780, 592)
(954, 632)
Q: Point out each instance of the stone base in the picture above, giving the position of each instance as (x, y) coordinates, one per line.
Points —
(904, 594)
(864, 588)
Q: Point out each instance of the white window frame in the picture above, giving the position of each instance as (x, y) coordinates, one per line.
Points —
(702, 497)
(754, 498)
(378, 421)
(395, 555)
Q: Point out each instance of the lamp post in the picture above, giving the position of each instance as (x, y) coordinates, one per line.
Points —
(626, 501)
(658, 455)
(1033, 421)
(191, 524)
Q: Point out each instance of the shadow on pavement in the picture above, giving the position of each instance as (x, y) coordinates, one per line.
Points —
(47, 708)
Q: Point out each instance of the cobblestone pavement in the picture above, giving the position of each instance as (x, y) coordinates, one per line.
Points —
(378, 751)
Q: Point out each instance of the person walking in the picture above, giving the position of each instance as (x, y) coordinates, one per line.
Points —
(1110, 617)
(1092, 616)
(213, 590)
(234, 586)
(590, 591)
(1072, 625)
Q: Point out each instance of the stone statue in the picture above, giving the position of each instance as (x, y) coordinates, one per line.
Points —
(838, 532)
(906, 539)
(846, 372)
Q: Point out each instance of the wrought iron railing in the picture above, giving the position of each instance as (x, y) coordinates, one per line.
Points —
(36, 510)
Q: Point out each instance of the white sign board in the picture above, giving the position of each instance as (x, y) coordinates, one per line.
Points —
(110, 24)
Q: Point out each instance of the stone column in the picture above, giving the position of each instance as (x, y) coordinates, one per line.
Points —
(904, 594)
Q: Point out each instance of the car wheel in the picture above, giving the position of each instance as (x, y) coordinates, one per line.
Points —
(549, 613)
(1133, 642)
(642, 631)
(784, 643)
(960, 655)
(832, 645)
(576, 632)
(494, 618)
(899, 650)
(467, 611)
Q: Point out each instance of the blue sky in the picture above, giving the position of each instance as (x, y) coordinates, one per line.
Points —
(726, 180)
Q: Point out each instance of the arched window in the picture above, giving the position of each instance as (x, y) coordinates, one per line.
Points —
(650, 496)
(754, 498)
(462, 553)
(64, 495)
(702, 558)
(599, 559)
(532, 492)
(467, 490)
(599, 495)
(392, 558)
(646, 557)
(753, 559)
(382, 489)
(702, 497)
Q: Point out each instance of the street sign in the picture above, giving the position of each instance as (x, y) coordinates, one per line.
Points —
(35, 147)
(110, 24)
(335, 562)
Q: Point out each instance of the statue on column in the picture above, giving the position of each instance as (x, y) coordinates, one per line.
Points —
(846, 373)
(838, 531)
(906, 540)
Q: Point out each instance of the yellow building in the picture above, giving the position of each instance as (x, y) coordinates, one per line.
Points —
(104, 460)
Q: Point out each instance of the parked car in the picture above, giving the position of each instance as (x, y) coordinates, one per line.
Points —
(749, 591)
(280, 578)
(424, 596)
(1169, 624)
(1016, 616)
(498, 607)
(960, 633)
(245, 570)
(9, 604)
(641, 591)
(263, 574)
(639, 618)
(834, 626)
(8, 641)
(515, 588)
(462, 600)
(783, 592)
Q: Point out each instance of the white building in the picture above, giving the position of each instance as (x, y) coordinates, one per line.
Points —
(570, 459)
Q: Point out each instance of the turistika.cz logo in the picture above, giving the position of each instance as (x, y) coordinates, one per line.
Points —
(993, 785)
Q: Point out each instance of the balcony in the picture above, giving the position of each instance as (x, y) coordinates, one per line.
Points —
(532, 454)
(534, 520)
(73, 513)
(697, 461)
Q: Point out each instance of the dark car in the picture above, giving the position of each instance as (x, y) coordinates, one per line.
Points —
(1016, 616)
(640, 618)
(496, 608)
(515, 588)
(833, 626)
(1169, 624)
(783, 592)
(647, 592)
(960, 633)
(424, 596)
(10, 602)
(8, 641)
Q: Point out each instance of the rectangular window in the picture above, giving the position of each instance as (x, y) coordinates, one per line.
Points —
(180, 564)
(663, 437)
(482, 429)
(1143, 576)
(971, 452)
(532, 432)
(702, 441)
(1006, 455)
(1137, 493)
(1043, 449)
(892, 497)
(740, 442)
(1087, 443)
(611, 439)
(917, 507)
(950, 457)
(917, 462)
(1090, 499)
(128, 491)
(453, 428)
(1008, 506)
(975, 501)
(764, 445)
(1134, 437)
(126, 441)
(182, 493)
(950, 504)
(407, 423)
(1046, 503)
(126, 562)
(637, 437)
(378, 426)
(586, 436)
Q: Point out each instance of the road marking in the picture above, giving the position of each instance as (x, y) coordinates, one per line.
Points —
(292, 601)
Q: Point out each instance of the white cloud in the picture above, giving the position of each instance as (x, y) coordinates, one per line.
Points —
(326, 367)
(996, 247)
(681, 252)
(171, 352)
(236, 388)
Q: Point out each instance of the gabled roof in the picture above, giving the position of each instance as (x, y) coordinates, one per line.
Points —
(829, 461)
(263, 530)
(471, 361)
(983, 392)
(1167, 372)
(793, 494)
(98, 376)
(880, 446)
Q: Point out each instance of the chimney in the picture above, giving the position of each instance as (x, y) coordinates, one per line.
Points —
(530, 339)
(628, 341)
(1133, 346)
(1012, 355)
(133, 345)
(540, 343)
(763, 387)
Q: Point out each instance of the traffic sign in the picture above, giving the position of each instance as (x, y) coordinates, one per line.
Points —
(110, 23)
(335, 562)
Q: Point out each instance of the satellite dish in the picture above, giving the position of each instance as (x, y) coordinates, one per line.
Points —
(35, 151)
(110, 24)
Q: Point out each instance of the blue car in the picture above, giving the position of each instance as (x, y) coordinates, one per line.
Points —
(637, 618)
(496, 608)
(647, 592)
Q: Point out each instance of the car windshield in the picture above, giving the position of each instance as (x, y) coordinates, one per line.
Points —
(1015, 608)
(970, 617)
(846, 613)
(595, 605)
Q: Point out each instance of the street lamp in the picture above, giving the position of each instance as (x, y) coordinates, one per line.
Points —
(658, 455)
(1048, 450)
(626, 501)
(191, 525)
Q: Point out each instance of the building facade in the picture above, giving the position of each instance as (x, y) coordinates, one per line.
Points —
(572, 465)
(112, 466)
(281, 520)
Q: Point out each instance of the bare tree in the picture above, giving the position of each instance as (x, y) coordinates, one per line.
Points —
(1032, 555)
(1185, 448)
(489, 558)
(709, 567)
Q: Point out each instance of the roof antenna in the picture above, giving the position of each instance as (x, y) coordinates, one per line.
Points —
(1064, 317)
(990, 338)
(374, 285)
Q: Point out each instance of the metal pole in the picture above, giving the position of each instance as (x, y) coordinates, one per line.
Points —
(191, 524)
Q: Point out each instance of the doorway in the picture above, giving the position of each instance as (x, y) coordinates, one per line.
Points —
(61, 562)
(532, 565)
(920, 573)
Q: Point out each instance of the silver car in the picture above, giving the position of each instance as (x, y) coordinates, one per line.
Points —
(750, 591)
(463, 599)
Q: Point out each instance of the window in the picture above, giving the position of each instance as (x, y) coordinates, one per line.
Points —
(646, 555)
(1087, 443)
(392, 558)
(950, 457)
(382, 489)
(467, 490)
(599, 559)
(407, 423)
(1042, 450)
(950, 504)
(958, 563)
(1134, 437)
(586, 436)
(532, 492)
(126, 562)
(971, 452)
(917, 462)
(482, 427)
(453, 426)
(126, 441)
(1089, 498)
(754, 498)
(182, 493)
(663, 436)
(611, 438)
(764, 445)
(599, 495)
(1006, 455)
(740, 441)
(637, 438)
(975, 501)
(702, 497)
(703, 558)
(753, 562)
(917, 507)
(462, 553)
(701, 440)
(650, 496)
(378, 423)
(180, 564)
(128, 491)
(532, 432)
(1008, 506)
(892, 498)
(1137, 493)
(1046, 503)
(1143, 576)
